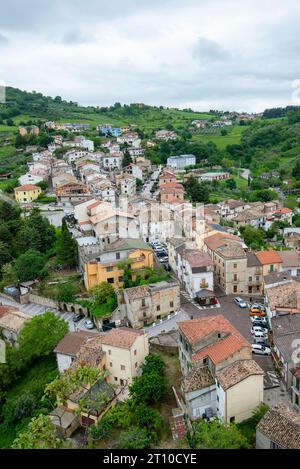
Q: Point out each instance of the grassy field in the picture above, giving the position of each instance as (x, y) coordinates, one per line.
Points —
(233, 137)
(147, 120)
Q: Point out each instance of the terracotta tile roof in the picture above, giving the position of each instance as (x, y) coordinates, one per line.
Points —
(222, 349)
(283, 210)
(231, 249)
(27, 187)
(171, 185)
(14, 320)
(282, 426)
(195, 329)
(94, 205)
(268, 257)
(4, 309)
(90, 352)
(71, 343)
(290, 258)
(197, 258)
(237, 372)
(122, 337)
(197, 378)
(285, 295)
(217, 240)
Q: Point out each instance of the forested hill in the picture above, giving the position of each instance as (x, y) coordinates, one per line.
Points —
(36, 105)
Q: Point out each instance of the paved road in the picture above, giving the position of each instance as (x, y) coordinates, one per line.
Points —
(245, 173)
(146, 192)
(166, 325)
(33, 309)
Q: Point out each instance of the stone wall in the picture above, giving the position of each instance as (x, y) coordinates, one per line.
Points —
(49, 303)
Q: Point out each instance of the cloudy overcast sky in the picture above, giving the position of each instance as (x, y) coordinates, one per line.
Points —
(204, 54)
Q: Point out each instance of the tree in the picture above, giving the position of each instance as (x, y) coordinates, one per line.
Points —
(216, 435)
(296, 169)
(30, 265)
(65, 292)
(253, 237)
(40, 335)
(196, 192)
(100, 293)
(24, 406)
(126, 159)
(231, 184)
(150, 387)
(5, 255)
(135, 438)
(40, 434)
(9, 275)
(47, 237)
(8, 211)
(35, 233)
(67, 247)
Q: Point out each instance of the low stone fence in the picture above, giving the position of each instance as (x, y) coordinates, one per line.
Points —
(49, 303)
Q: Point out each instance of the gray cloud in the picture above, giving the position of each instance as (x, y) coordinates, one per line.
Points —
(202, 53)
(74, 37)
(209, 51)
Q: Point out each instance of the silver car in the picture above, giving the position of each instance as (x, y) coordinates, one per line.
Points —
(240, 302)
(261, 349)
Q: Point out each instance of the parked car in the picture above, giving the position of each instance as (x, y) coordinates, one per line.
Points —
(161, 253)
(261, 349)
(261, 341)
(88, 324)
(260, 324)
(258, 329)
(260, 319)
(166, 266)
(240, 302)
(77, 317)
(257, 313)
(260, 334)
(163, 259)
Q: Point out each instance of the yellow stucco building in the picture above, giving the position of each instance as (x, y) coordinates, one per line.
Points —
(109, 264)
(27, 193)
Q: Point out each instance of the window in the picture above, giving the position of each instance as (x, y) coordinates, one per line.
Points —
(232, 419)
(171, 304)
(135, 365)
(109, 352)
(250, 279)
(234, 288)
(121, 279)
(110, 364)
(122, 382)
(144, 314)
(109, 269)
(274, 445)
(116, 379)
(117, 255)
(123, 367)
(158, 308)
(143, 302)
(135, 352)
(271, 268)
(218, 398)
(235, 277)
(235, 266)
(111, 280)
